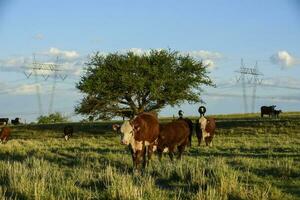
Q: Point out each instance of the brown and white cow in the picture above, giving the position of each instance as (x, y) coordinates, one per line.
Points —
(205, 130)
(140, 134)
(172, 135)
(4, 135)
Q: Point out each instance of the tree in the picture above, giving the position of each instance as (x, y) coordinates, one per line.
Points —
(52, 118)
(128, 84)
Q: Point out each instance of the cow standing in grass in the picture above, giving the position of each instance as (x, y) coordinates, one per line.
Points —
(277, 112)
(173, 135)
(205, 130)
(4, 121)
(267, 110)
(140, 134)
(68, 131)
(4, 135)
(189, 123)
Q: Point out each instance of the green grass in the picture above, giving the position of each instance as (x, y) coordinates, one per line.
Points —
(252, 158)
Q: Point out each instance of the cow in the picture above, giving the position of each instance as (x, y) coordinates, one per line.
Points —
(190, 124)
(15, 121)
(4, 121)
(277, 112)
(68, 131)
(140, 134)
(172, 135)
(267, 110)
(205, 130)
(4, 135)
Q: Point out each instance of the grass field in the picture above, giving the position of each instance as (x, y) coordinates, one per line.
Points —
(252, 158)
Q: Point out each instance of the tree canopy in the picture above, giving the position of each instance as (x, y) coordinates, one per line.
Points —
(52, 118)
(127, 84)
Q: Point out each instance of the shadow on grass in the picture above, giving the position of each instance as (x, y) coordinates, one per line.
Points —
(280, 177)
(10, 193)
(12, 157)
(260, 152)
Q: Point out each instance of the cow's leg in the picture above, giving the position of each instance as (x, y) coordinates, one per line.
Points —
(171, 152)
(206, 141)
(159, 153)
(145, 160)
(180, 150)
(190, 139)
(149, 153)
(199, 137)
(138, 159)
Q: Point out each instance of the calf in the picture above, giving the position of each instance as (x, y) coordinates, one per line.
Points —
(68, 131)
(205, 130)
(172, 135)
(5, 133)
(277, 112)
(140, 134)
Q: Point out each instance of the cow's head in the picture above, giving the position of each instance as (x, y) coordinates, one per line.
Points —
(128, 130)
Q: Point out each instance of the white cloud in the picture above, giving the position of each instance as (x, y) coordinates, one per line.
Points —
(138, 51)
(209, 63)
(25, 89)
(285, 82)
(61, 53)
(14, 64)
(202, 54)
(283, 58)
(209, 58)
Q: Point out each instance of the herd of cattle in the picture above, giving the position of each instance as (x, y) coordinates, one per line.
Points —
(144, 135)
(5, 121)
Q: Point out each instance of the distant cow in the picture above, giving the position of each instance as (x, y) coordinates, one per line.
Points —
(4, 135)
(190, 124)
(4, 121)
(68, 131)
(172, 135)
(267, 110)
(15, 121)
(205, 130)
(140, 134)
(277, 112)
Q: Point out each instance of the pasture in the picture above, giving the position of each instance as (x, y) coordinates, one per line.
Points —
(251, 158)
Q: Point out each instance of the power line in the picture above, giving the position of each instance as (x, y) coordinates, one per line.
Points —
(249, 76)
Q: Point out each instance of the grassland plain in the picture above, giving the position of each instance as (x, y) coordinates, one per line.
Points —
(252, 158)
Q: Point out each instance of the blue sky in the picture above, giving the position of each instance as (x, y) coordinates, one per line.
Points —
(219, 32)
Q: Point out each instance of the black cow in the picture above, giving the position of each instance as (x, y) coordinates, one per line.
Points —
(68, 131)
(277, 112)
(15, 121)
(267, 110)
(4, 121)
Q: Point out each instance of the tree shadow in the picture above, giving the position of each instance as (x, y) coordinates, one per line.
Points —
(10, 192)
(260, 152)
